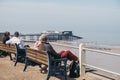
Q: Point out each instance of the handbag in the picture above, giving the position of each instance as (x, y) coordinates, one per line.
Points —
(74, 69)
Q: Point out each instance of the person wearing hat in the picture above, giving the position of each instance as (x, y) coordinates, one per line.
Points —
(43, 45)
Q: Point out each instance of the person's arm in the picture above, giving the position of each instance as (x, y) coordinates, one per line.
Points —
(3, 40)
(52, 51)
(36, 44)
(21, 45)
(9, 41)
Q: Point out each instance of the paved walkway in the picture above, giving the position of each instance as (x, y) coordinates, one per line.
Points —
(9, 72)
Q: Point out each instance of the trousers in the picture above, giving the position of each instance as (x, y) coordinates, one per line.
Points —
(69, 55)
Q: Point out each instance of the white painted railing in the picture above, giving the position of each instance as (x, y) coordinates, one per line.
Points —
(83, 64)
(82, 58)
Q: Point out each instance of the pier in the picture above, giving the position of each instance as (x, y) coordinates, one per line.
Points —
(52, 36)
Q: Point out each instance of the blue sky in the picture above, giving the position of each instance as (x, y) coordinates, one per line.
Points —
(83, 17)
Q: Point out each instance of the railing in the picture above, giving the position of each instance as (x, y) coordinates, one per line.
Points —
(83, 64)
(82, 58)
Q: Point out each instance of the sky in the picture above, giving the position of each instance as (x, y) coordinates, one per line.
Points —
(83, 17)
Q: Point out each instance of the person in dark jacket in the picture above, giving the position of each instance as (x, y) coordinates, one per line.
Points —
(6, 37)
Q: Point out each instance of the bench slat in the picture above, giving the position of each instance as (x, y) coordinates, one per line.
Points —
(7, 47)
(36, 56)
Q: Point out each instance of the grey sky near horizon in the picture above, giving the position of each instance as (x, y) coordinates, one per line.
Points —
(83, 17)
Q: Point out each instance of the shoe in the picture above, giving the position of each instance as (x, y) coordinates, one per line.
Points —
(43, 70)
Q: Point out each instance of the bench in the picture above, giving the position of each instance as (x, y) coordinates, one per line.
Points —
(12, 49)
(54, 65)
(39, 57)
(20, 54)
(9, 48)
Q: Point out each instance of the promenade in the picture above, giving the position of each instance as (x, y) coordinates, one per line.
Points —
(9, 72)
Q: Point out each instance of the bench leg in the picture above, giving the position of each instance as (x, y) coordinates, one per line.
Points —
(10, 56)
(16, 60)
(26, 64)
(65, 76)
(48, 76)
(48, 73)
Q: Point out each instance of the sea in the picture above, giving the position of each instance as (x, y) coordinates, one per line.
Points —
(100, 38)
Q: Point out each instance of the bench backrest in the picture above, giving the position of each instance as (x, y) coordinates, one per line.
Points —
(36, 56)
(7, 47)
(11, 48)
(2, 46)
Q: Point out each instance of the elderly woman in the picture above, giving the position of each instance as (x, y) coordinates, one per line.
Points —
(43, 45)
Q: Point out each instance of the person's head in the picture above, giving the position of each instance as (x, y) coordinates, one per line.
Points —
(7, 33)
(43, 38)
(16, 34)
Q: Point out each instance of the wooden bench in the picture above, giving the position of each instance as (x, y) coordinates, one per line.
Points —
(20, 54)
(12, 49)
(9, 48)
(54, 65)
(35, 56)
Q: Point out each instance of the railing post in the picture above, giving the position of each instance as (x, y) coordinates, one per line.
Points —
(82, 59)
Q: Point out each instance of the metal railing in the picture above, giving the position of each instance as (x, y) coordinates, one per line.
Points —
(82, 58)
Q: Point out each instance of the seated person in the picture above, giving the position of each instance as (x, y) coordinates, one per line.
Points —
(16, 39)
(6, 37)
(43, 45)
